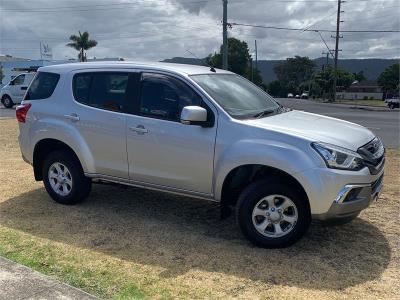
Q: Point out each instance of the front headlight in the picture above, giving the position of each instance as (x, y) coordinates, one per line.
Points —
(339, 158)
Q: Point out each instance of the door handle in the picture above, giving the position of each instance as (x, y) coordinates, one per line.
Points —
(72, 117)
(139, 129)
(24, 88)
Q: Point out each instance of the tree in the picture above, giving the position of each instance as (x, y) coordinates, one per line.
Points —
(323, 81)
(359, 76)
(81, 43)
(389, 79)
(293, 72)
(275, 89)
(239, 61)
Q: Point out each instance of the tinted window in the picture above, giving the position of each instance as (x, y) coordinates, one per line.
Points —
(102, 90)
(164, 97)
(42, 86)
(19, 80)
(81, 87)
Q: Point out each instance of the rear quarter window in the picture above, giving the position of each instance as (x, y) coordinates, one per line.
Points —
(42, 86)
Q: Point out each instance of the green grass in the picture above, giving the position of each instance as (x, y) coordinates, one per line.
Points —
(378, 103)
(101, 281)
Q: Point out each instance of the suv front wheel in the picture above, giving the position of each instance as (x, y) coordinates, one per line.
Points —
(272, 215)
(64, 179)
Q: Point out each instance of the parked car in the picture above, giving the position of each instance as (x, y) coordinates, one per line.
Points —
(304, 96)
(297, 96)
(290, 95)
(183, 129)
(393, 103)
(13, 92)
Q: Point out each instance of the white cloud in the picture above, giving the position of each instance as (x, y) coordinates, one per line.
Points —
(158, 29)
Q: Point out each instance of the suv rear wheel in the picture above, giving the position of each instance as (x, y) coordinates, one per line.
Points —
(64, 179)
(272, 215)
(7, 102)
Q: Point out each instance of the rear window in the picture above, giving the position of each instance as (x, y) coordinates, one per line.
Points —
(42, 86)
(105, 90)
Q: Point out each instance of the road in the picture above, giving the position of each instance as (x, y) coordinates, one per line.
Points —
(384, 123)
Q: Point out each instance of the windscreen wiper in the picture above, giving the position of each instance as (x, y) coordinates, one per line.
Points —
(264, 113)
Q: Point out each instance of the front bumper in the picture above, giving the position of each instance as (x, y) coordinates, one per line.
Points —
(351, 200)
(335, 194)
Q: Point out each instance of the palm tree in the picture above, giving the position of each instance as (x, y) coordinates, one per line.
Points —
(81, 43)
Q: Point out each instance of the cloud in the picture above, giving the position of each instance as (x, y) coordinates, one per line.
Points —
(158, 29)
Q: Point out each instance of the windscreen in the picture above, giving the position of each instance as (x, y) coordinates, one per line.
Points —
(238, 97)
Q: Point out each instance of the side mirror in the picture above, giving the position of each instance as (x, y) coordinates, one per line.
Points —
(11, 82)
(194, 115)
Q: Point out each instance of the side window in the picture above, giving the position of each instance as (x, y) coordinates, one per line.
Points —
(105, 90)
(19, 80)
(81, 87)
(164, 96)
(42, 86)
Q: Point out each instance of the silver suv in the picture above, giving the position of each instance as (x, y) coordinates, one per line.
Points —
(201, 133)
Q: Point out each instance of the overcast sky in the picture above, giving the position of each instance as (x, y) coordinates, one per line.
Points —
(159, 29)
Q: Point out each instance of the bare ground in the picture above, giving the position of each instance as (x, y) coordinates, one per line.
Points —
(133, 243)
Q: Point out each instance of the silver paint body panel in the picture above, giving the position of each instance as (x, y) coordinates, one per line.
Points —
(186, 159)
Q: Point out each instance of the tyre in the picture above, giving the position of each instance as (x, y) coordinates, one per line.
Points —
(7, 102)
(64, 179)
(272, 214)
(391, 106)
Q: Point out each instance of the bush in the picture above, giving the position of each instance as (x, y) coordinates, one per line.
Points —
(365, 98)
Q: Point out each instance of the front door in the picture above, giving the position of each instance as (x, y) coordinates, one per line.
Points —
(18, 88)
(161, 150)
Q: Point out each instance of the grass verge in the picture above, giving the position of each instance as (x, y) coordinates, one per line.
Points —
(126, 243)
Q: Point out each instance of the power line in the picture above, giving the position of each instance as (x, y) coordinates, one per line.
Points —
(312, 30)
(97, 7)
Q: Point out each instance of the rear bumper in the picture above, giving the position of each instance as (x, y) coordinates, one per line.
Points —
(351, 200)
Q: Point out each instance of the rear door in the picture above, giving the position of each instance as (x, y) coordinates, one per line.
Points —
(97, 113)
(161, 150)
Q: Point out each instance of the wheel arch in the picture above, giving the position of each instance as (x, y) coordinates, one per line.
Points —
(43, 148)
(241, 176)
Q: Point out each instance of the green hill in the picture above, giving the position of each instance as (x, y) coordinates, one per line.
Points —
(372, 67)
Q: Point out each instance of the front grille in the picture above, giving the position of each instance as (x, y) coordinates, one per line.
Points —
(373, 154)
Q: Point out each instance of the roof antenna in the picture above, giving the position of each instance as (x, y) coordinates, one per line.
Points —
(203, 61)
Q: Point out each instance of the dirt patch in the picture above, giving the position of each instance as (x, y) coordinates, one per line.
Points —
(157, 245)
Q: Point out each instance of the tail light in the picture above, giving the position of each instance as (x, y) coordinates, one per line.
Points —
(22, 111)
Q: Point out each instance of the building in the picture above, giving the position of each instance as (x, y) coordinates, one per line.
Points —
(363, 90)
(12, 66)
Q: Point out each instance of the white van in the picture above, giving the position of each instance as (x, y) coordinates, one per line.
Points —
(14, 92)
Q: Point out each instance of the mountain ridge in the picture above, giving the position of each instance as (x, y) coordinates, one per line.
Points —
(371, 67)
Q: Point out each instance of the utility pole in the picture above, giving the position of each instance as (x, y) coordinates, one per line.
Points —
(337, 37)
(255, 44)
(225, 35)
(327, 57)
(251, 69)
